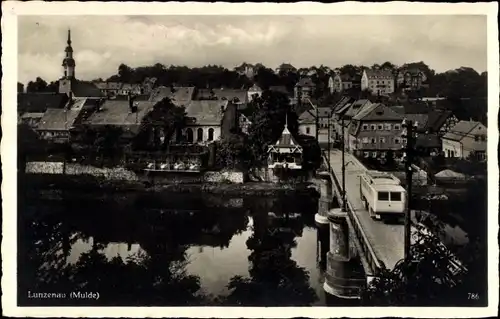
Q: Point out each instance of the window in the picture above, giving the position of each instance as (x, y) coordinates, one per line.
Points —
(365, 140)
(395, 196)
(380, 127)
(374, 154)
(373, 141)
(308, 130)
(397, 127)
(366, 154)
(189, 133)
(396, 141)
(199, 135)
(210, 134)
(387, 127)
(373, 127)
(383, 154)
(382, 139)
(383, 196)
(365, 127)
(403, 140)
(476, 138)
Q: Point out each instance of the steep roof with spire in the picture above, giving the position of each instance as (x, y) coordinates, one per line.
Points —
(286, 141)
(68, 60)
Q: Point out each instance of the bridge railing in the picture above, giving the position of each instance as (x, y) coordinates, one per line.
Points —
(366, 249)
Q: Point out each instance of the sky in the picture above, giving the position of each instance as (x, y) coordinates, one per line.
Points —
(102, 43)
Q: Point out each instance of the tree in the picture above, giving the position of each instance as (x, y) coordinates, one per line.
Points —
(269, 114)
(266, 78)
(428, 279)
(232, 152)
(160, 124)
(107, 142)
(39, 85)
(125, 73)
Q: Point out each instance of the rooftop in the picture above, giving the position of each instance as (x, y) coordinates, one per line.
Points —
(305, 82)
(39, 102)
(461, 130)
(85, 89)
(378, 74)
(179, 95)
(118, 113)
(206, 112)
(61, 119)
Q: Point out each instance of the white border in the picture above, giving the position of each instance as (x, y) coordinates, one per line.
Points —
(12, 9)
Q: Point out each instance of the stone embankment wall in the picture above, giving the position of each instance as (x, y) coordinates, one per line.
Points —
(268, 175)
(224, 176)
(120, 173)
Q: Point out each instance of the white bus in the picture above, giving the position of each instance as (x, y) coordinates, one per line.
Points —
(382, 195)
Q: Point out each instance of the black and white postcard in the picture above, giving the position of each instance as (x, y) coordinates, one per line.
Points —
(250, 160)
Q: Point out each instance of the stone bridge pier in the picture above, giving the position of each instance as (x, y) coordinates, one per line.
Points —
(342, 278)
(324, 183)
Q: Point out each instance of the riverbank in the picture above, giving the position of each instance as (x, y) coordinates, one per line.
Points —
(87, 183)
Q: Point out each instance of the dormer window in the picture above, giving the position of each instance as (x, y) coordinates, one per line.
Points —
(373, 127)
(365, 127)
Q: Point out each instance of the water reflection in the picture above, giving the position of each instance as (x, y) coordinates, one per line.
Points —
(169, 250)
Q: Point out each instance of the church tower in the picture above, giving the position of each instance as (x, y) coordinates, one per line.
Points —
(68, 65)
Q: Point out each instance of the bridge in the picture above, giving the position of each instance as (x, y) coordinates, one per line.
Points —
(379, 245)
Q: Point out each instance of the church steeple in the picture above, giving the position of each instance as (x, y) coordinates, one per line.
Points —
(68, 61)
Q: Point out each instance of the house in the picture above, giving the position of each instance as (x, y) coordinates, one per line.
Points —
(285, 153)
(238, 97)
(205, 121)
(375, 131)
(307, 123)
(466, 138)
(304, 89)
(325, 125)
(56, 123)
(340, 82)
(180, 96)
(32, 106)
(126, 114)
(246, 69)
(149, 84)
(285, 68)
(410, 79)
(109, 88)
(440, 121)
(378, 82)
(342, 115)
(128, 88)
(255, 90)
(235, 96)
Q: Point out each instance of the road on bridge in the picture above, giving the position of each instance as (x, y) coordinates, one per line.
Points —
(387, 240)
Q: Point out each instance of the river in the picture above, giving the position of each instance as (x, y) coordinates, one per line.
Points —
(164, 249)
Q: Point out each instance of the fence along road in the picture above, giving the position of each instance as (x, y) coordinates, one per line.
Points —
(386, 240)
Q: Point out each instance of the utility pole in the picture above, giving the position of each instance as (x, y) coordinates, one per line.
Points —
(317, 121)
(409, 134)
(329, 132)
(344, 204)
